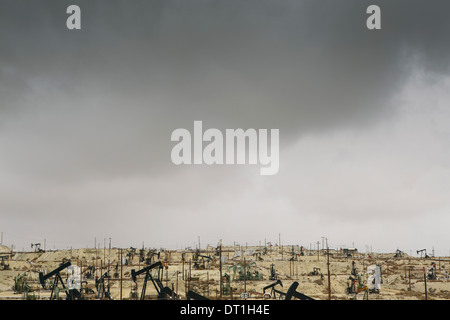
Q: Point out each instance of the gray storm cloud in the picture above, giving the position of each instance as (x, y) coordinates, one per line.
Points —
(94, 109)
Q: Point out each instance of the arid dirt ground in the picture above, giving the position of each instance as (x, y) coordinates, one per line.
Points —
(402, 277)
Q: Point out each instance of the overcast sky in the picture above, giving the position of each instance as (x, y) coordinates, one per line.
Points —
(86, 118)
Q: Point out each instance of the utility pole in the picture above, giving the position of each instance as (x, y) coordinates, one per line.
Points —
(177, 282)
(220, 268)
(245, 280)
(318, 251)
(329, 280)
(104, 251)
(279, 244)
(109, 261)
(121, 274)
(409, 276)
(207, 280)
(190, 273)
(96, 256)
(182, 266)
(425, 279)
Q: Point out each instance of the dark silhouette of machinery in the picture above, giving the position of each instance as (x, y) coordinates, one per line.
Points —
(3, 264)
(293, 293)
(163, 292)
(398, 254)
(421, 253)
(273, 274)
(37, 247)
(273, 291)
(192, 295)
(21, 284)
(201, 262)
(102, 290)
(72, 294)
(316, 272)
(432, 272)
(90, 271)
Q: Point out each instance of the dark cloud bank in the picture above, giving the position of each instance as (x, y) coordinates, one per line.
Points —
(81, 110)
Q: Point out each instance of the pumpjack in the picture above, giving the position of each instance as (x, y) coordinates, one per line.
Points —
(103, 292)
(201, 261)
(3, 264)
(90, 272)
(351, 284)
(315, 272)
(364, 289)
(141, 255)
(353, 279)
(273, 291)
(85, 289)
(294, 256)
(72, 294)
(130, 255)
(273, 274)
(293, 293)
(227, 285)
(421, 251)
(151, 254)
(354, 272)
(398, 254)
(37, 247)
(432, 272)
(245, 271)
(163, 292)
(192, 295)
(21, 284)
(257, 256)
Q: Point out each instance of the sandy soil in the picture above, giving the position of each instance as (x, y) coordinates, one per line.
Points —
(403, 278)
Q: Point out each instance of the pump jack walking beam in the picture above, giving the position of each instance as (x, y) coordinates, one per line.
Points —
(292, 292)
(163, 292)
(55, 273)
(273, 290)
(192, 295)
(147, 271)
